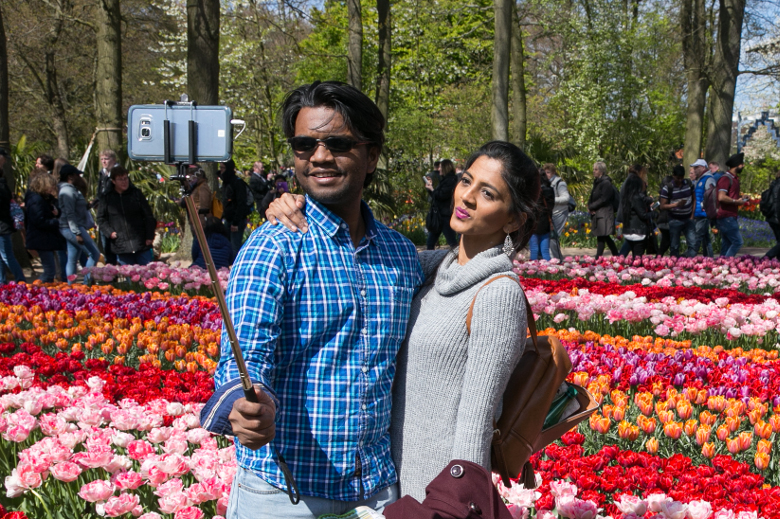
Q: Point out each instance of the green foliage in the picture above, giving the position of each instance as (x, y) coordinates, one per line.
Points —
(23, 157)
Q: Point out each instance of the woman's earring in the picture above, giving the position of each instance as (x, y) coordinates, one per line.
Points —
(509, 247)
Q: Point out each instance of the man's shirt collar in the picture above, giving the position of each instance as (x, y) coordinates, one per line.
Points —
(330, 223)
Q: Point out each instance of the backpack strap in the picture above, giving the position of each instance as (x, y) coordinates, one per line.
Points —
(528, 311)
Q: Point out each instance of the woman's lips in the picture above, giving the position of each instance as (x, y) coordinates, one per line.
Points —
(461, 213)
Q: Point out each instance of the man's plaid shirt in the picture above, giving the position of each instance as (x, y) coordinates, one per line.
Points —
(320, 322)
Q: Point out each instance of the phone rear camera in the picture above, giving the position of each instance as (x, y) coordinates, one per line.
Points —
(146, 132)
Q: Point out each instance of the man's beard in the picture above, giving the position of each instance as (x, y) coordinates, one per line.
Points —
(331, 197)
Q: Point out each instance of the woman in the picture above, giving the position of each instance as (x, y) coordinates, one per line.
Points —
(440, 212)
(637, 217)
(439, 364)
(42, 223)
(601, 207)
(219, 245)
(74, 222)
(539, 245)
(7, 229)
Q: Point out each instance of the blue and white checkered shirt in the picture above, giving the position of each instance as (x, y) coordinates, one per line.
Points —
(320, 323)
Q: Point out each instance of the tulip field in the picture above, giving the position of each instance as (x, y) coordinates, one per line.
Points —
(101, 388)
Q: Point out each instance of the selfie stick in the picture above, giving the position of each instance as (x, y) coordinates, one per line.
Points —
(192, 211)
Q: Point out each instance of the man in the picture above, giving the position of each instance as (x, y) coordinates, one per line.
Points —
(704, 179)
(258, 185)
(560, 209)
(7, 229)
(45, 163)
(108, 160)
(234, 204)
(773, 218)
(729, 200)
(714, 169)
(677, 197)
(320, 317)
(280, 186)
(126, 220)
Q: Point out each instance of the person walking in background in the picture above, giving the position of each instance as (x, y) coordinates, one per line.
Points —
(704, 179)
(279, 187)
(258, 185)
(441, 206)
(730, 199)
(773, 218)
(42, 223)
(7, 229)
(219, 245)
(539, 244)
(560, 210)
(637, 216)
(662, 222)
(74, 221)
(126, 220)
(234, 204)
(677, 197)
(108, 159)
(45, 163)
(601, 205)
(200, 193)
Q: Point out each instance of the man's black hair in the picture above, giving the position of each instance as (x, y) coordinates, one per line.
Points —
(47, 161)
(280, 177)
(360, 113)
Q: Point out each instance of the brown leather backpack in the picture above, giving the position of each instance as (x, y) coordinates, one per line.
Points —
(518, 434)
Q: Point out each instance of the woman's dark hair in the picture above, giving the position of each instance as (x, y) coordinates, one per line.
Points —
(215, 225)
(522, 177)
(360, 114)
(280, 177)
(632, 189)
(447, 167)
(543, 178)
(230, 167)
(636, 169)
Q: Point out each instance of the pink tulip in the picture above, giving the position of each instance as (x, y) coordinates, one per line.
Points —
(121, 504)
(65, 471)
(573, 508)
(95, 491)
(129, 480)
(189, 512)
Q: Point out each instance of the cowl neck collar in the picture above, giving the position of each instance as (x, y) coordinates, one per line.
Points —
(453, 278)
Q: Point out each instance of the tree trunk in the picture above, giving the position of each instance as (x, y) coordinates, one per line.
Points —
(519, 107)
(58, 118)
(383, 66)
(108, 77)
(502, 45)
(5, 128)
(355, 45)
(203, 61)
(694, 44)
(725, 69)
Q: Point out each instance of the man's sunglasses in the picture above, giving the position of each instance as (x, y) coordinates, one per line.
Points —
(334, 144)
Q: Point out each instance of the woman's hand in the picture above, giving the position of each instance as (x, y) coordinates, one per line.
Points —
(287, 210)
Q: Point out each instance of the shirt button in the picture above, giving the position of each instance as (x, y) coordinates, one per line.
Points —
(364, 331)
(364, 407)
(363, 293)
(364, 369)
(343, 226)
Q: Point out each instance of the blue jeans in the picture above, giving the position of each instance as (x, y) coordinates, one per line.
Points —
(676, 229)
(9, 260)
(701, 237)
(774, 251)
(237, 238)
(49, 265)
(76, 249)
(252, 498)
(539, 245)
(135, 258)
(730, 238)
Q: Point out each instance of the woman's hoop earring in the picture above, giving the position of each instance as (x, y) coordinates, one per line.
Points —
(509, 247)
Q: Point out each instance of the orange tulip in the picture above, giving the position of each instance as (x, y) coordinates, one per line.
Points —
(661, 406)
(628, 431)
(684, 409)
(762, 429)
(690, 426)
(651, 445)
(761, 460)
(708, 418)
(606, 410)
(745, 440)
(722, 432)
(708, 450)
(599, 423)
(665, 416)
(619, 398)
(754, 415)
(673, 430)
(647, 425)
(733, 422)
(716, 403)
(618, 413)
(703, 434)
(119, 360)
(733, 445)
(179, 365)
(764, 446)
(774, 421)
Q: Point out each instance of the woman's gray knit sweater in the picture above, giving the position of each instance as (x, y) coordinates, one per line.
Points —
(449, 385)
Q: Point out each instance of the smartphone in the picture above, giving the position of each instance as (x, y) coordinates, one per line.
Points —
(655, 206)
(179, 133)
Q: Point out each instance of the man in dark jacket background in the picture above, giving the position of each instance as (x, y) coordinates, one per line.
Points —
(234, 207)
(258, 184)
(108, 159)
(126, 220)
(7, 229)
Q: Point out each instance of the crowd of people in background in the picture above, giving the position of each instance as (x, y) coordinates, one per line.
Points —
(57, 223)
(57, 220)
